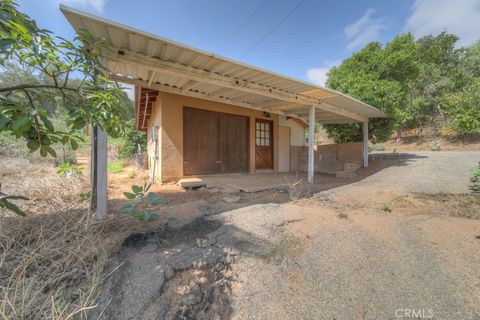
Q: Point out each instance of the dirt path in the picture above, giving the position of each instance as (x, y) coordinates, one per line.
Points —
(375, 249)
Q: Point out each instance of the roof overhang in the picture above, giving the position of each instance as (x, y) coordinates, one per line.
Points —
(154, 63)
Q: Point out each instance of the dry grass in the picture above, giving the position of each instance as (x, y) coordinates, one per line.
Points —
(37, 180)
(298, 188)
(50, 266)
(52, 261)
(456, 205)
(288, 247)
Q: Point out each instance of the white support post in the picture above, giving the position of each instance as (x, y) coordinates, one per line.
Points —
(365, 143)
(311, 144)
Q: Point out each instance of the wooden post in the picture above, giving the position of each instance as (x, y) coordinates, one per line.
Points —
(311, 144)
(99, 172)
(365, 143)
(98, 168)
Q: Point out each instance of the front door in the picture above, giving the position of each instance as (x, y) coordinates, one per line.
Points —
(263, 144)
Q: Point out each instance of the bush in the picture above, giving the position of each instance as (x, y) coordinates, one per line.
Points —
(67, 169)
(376, 147)
(462, 109)
(475, 180)
(115, 167)
(435, 145)
(131, 140)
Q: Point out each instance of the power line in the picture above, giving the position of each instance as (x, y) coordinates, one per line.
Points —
(252, 14)
(274, 28)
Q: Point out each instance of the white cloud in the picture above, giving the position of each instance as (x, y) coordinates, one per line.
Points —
(319, 75)
(460, 17)
(97, 5)
(364, 30)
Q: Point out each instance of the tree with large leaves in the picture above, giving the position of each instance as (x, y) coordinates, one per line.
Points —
(71, 75)
(419, 83)
(380, 77)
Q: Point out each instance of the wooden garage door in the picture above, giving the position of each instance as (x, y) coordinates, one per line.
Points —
(214, 142)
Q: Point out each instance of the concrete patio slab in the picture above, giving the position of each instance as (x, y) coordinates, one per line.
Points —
(260, 182)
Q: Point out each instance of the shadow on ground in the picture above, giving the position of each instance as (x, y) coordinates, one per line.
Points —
(179, 273)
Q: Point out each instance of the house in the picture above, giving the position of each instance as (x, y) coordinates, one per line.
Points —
(206, 114)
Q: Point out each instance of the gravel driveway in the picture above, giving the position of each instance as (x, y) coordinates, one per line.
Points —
(426, 172)
(353, 260)
(338, 255)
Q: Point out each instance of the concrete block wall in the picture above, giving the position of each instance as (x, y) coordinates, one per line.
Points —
(329, 158)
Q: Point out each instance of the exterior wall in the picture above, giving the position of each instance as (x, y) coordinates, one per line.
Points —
(329, 158)
(284, 148)
(297, 131)
(170, 106)
(152, 145)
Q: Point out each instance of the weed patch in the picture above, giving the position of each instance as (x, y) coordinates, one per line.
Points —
(115, 167)
(288, 247)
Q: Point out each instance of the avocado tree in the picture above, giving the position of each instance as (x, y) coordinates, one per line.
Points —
(72, 76)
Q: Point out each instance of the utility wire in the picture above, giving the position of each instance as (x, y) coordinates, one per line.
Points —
(252, 14)
(274, 28)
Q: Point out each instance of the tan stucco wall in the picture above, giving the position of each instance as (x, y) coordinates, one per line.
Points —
(171, 106)
(297, 131)
(155, 119)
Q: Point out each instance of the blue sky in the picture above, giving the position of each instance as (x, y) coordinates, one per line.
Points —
(315, 37)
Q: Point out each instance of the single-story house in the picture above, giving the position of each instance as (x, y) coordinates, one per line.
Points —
(206, 114)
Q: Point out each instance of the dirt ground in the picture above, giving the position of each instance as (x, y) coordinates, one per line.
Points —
(414, 142)
(379, 248)
(399, 237)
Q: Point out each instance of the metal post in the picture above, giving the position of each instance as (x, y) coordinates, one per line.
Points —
(311, 144)
(365, 143)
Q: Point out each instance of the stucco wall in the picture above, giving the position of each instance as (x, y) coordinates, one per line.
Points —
(329, 158)
(171, 106)
(297, 131)
(155, 119)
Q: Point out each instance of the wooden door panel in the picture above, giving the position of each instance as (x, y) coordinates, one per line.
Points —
(263, 144)
(233, 143)
(200, 141)
(214, 142)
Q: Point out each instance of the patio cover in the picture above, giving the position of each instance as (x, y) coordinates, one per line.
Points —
(155, 63)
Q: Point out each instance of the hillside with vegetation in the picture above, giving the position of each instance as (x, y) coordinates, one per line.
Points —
(429, 87)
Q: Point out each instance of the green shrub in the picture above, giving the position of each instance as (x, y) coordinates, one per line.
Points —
(386, 207)
(131, 140)
(376, 147)
(462, 108)
(435, 145)
(475, 180)
(138, 207)
(115, 167)
(67, 169)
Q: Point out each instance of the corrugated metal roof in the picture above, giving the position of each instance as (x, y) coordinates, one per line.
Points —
(150, 61)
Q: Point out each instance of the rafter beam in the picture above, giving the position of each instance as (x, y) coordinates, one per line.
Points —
(189, 85)
(240, 98)
(289, 106)
(195, 94)
(172, 68)
(220, 92)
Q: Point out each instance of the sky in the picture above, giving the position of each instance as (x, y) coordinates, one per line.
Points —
(299, 38)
